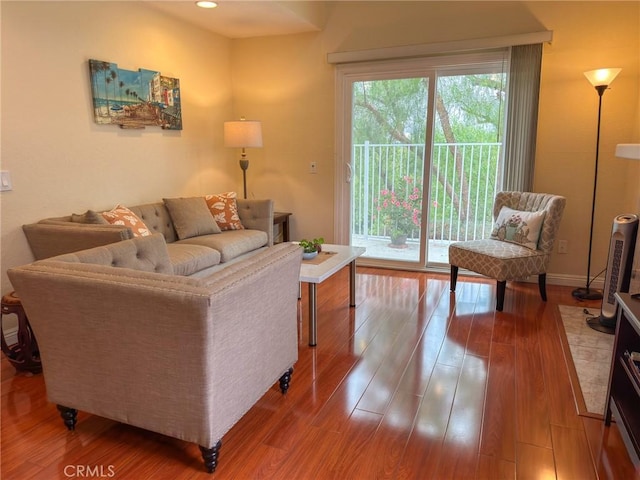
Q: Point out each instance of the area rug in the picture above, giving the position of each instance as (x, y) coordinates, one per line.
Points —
(591, 353)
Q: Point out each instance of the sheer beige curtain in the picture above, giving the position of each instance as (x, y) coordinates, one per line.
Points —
(522, 117)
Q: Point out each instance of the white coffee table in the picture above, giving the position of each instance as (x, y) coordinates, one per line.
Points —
(315, 274)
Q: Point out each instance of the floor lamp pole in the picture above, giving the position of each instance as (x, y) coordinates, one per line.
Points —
(587, 293)
(244, 164)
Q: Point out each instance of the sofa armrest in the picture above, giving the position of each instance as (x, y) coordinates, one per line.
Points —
(257, 215)
(56, 238)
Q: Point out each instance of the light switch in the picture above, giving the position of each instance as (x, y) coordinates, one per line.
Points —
(5, 181)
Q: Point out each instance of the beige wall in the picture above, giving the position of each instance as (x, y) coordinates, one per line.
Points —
(588, 35)
(59, 159)
(62, 162)
(288, 81)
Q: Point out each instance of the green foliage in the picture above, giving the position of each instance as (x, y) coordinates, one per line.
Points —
(314, 245)
(400, 207)
(390, 115)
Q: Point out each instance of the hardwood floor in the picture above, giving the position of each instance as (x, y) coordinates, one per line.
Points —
(414, 383)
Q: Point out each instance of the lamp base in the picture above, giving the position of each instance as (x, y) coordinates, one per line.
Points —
(602, 324)
(587, 294)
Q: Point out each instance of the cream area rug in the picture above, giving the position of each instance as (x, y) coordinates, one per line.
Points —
(591, 354)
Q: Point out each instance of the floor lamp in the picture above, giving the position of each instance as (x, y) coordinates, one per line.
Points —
(243, 134)
(600, 79)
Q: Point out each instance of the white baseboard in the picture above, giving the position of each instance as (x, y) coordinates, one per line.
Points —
(552, 278)
(573, 281)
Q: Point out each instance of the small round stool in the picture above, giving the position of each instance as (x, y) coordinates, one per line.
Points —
(24, 355)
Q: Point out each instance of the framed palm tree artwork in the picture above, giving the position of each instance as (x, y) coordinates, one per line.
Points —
(134, 99)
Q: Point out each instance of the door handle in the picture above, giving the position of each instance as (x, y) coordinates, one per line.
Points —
(349, 172)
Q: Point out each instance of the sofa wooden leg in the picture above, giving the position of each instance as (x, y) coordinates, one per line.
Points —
(210, 456)
(69, 416)
(285, 380)
(542, 286)
(502, 287)
(454, 277)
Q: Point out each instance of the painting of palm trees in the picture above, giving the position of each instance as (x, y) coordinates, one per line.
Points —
(134, 99)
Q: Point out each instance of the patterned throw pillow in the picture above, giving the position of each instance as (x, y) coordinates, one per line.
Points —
(224, 209)
(519, 227)
(121, 215)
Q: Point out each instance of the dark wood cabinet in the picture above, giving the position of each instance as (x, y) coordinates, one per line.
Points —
(623, 396)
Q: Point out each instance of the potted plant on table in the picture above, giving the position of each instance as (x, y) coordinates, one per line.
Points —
(310, 248)
(400, 210)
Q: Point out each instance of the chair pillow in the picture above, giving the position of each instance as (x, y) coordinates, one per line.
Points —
(191, 217)
(120, 215)
(519, 227)
(224, 209)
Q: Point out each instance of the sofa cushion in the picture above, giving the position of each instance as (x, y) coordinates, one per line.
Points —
(157, 219)
(224, 209)
(148, 254)
(191, 217)
(231, 243)
(121, 215)
(189, 259)
(90, 216)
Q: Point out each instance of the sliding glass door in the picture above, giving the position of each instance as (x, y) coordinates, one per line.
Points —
(388, 159)
(421, 148)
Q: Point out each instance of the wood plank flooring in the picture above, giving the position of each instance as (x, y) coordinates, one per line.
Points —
(414, 383)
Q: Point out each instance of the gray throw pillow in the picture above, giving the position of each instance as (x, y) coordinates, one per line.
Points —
(89, 217)
(191, 217)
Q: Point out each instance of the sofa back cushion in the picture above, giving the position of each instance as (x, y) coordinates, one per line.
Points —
(191, 217)
(147, 254)
(157, 219)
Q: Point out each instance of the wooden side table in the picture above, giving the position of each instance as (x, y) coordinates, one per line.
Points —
(282, 218)
(24, 355)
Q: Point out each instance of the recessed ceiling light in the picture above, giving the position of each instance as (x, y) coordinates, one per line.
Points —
(205, 4)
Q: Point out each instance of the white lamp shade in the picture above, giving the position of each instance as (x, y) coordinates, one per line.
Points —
(243, 134)
(628, 150)
(602, 76)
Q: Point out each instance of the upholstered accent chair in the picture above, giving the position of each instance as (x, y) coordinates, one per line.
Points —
(511, 256)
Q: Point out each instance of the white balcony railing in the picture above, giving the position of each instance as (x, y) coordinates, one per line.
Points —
(464, 179)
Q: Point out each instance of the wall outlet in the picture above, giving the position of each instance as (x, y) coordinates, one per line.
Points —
(563, 246)
(313, 167)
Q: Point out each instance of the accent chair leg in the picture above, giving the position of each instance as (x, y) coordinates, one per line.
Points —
(454, 277)
(210, 456)
(502, 286)
(69, 416)
(284, 380)
(542, 286)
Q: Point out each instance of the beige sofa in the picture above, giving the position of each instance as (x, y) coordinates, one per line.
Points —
(122, 337)
(198, 255)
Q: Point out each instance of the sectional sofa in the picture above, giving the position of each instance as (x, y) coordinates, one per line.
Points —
(203, 234)
(123, 337)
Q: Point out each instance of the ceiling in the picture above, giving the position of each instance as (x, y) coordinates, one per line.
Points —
(244, 19)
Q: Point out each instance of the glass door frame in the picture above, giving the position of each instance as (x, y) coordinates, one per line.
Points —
(346, 75)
